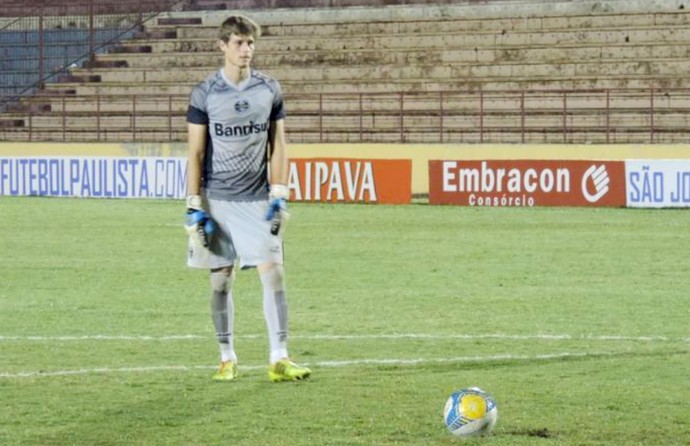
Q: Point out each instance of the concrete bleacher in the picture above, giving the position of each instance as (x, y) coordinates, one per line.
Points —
(22, 8)
(347, 74)
(41, 39)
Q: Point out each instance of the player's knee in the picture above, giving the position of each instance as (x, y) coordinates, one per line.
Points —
(272, 276)
(222, 280)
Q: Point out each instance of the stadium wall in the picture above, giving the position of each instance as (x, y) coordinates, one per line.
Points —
(419, 154)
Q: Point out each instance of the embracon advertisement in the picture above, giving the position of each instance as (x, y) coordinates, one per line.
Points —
(527, 183)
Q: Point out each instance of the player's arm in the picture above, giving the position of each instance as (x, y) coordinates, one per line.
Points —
(279, 153)
(199, 224)
(279, 171)
(197, 127)
(195, 157)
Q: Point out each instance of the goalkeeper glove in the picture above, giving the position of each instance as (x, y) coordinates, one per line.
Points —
(277, 212)
(199, 225)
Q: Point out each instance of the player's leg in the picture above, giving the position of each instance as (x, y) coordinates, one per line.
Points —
(275, 308)
(220, 258)
(257, 247)
(223, 315)
(276, 314)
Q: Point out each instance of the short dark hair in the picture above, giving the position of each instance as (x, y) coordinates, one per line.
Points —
(239, 25)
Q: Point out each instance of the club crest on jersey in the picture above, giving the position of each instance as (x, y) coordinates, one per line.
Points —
(241, 106)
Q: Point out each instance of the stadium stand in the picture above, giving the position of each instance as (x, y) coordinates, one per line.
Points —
(435, 71)
(42, 39)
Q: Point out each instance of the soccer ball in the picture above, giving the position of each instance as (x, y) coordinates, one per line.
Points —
(470, 412)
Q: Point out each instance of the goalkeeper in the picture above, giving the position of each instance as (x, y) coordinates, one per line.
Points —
(234, 214)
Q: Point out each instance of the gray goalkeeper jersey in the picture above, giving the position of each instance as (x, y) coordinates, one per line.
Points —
(238, 118)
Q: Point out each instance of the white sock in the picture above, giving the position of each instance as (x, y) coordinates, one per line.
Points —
(223, 313)
(275, 311)
(227, 352)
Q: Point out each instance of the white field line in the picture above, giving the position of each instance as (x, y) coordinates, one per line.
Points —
(353, 362)
(334, 337)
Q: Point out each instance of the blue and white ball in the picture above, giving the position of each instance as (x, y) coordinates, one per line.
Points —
(470, 412)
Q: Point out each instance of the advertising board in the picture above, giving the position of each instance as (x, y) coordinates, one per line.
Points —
(527, 183)
(657, 183)
(351, 180)
(313, 180)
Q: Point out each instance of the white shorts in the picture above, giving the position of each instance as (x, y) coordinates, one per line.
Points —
(243, 233)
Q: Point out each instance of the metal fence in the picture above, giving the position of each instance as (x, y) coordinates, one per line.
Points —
(538, 116)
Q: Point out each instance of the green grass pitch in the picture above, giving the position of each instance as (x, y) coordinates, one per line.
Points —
(575, 319)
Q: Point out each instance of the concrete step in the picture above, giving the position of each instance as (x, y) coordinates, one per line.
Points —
(28, 107)
(408, 56)
(82, 78)
(467, 10)
(451, 25)
(449, 103)
(139, 135)
(497, 134)
(177, 21)
(6, 122)
(399, 73)
(458, 40)
(109, 122)
(110, 62)
(395, 85)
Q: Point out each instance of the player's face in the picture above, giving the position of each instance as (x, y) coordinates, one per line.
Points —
(238, 50)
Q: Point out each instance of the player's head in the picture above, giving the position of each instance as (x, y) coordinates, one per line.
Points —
(236, 37)
(240, 26)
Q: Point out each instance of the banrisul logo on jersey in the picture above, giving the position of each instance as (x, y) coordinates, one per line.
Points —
(239, 130)
(527, 183)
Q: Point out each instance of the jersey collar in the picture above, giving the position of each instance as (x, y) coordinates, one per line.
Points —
(241, 86)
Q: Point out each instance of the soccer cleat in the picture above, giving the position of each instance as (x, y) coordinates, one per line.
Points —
(226, 372)
(286, 370)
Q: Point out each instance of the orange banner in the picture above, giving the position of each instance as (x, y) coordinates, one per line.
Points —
(339, 180)
(527, 183)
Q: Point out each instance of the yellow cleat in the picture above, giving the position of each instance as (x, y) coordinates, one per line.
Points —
(286, 370)
(226, 372)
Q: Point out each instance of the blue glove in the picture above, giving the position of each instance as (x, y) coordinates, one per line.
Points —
(277, 212)
(198, 224)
